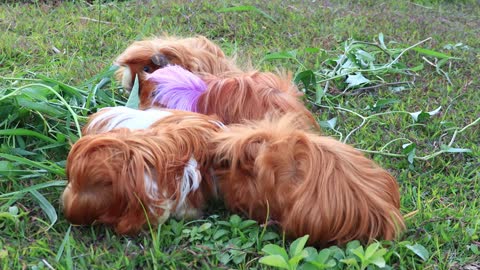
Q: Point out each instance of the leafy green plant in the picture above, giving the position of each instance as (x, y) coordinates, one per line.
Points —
(355, 256)
(366, 66)
(278, 256)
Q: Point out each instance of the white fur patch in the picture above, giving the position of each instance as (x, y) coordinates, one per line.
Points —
(124, 117)
(127, 78)
(190, 181)
(151, 188)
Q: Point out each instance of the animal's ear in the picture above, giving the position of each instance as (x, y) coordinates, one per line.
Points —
(159, 60)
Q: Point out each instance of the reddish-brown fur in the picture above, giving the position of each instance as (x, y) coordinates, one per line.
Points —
(106, 172)
(270, 168)
(196, 54)
(309, 184)
(233, 95)
(239, 96)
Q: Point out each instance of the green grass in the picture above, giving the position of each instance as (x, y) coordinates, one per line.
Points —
(53, 55)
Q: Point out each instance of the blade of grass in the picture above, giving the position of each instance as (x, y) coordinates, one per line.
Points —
(51, 167)
(46, 206)
(66, 239)
(26, 132)
(56, 183)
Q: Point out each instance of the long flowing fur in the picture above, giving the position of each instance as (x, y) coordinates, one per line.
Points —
(115, 177)
(196, 54)
(233, 96)
(309, 184)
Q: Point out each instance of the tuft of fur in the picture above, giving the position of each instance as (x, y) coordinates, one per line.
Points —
(124, 177)
(176, 88)
(309, 184)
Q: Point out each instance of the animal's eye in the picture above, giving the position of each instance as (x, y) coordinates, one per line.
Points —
(146, 69)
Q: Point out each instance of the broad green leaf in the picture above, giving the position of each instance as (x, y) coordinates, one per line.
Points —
(247, 245)
(323, 256)
(371, 249)
(364, 56)
(359, 252)
(220, 233)
(448, 149)
(317, 265)
(378, 261)
(224, 257)
(37, 92)
(474, 248)
(352, 245)
(274, 260)
(431, 53)
(134, 100)
(307, 77)
(329, 124)
(247, 223)
(356, 80)
(40, 106)
(293, 262)
(337, 252)
(46, 206)
(382, 43)
(204, 227)
(411, 156)
(238, 259)
(309, 266)
(350, 261)
(312, 252)
(272, 249)
(270, 236)
(297, 246)
(383, 102)
(235, 221)
(420, 250)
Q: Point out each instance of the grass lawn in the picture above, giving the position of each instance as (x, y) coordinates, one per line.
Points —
(397, 79)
